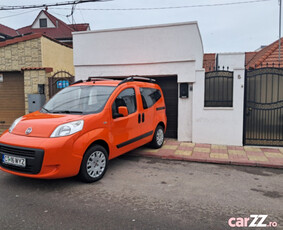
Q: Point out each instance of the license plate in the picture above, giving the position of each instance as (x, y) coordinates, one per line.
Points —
(16, 161)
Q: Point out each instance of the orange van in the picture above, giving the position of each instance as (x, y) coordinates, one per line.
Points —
(82, 127)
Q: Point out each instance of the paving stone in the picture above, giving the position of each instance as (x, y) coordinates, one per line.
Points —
(219, 151)
(183, 152)
(185, 144)
(235, 147)
(281, 150)
(255, 153)
(270, 150)
(203, 145)
(237, 152)
(277, 155)
(200, 155)
(169, 147)
(203, 150)
(252, 149)
(185, 148)
(218, 147)
(219, 155)
(151, 150)
(257, 158)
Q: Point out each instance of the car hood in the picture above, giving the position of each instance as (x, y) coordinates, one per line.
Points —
(42, 124)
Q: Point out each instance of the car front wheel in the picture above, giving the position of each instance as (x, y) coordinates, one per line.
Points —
(94, 164)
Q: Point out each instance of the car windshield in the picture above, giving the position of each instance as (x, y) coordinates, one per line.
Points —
(79, 100)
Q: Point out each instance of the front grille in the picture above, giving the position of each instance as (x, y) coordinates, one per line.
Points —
(34, 158)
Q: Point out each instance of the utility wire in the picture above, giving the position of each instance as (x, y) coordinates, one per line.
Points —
(14, 15)
(171, 7)
(47, 5)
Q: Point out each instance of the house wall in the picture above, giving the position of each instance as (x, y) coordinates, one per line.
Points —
(231, 60)
(42, 16)
(23, 54)
(219, 125)
(57, 56)
(172, 49)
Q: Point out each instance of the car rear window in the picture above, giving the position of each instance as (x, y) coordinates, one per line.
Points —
(149, 96)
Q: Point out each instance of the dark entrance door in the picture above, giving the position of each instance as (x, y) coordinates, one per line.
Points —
(169, 87)
(263, 114)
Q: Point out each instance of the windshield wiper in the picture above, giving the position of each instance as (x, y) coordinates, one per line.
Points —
(46, 110)
(67, 111)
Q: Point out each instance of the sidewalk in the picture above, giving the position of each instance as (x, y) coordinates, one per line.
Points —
(247, 155)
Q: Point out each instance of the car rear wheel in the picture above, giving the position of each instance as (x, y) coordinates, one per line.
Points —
(94, 164)
(158, 137)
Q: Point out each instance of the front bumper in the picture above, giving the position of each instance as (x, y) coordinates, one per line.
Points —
(45, 157)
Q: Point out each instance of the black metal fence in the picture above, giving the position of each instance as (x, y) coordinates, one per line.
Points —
(58, 81)
(218, 89)
(264, 107)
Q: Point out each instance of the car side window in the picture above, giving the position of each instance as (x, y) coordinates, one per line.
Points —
(149, 96)
(126, 98)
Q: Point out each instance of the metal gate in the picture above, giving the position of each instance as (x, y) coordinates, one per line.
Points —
(263, 112)
(58, 81)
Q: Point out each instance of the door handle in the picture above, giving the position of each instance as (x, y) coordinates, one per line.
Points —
(143, 117)
(139, 118)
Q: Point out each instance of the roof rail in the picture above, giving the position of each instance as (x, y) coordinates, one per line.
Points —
(136, 78)
(98, 79)
(77, 82)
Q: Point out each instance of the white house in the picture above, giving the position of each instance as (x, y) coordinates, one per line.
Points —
(170, 53)
(173, 55)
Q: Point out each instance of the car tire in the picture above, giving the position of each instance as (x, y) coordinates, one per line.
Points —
(94, 164)
(158, 138)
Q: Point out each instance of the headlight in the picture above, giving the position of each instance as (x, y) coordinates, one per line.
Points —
(14, 124)
(68, 129)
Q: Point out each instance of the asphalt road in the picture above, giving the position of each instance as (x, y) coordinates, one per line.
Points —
(144, 193)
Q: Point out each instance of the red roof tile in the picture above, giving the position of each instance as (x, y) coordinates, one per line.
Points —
(268, 56)
(47, 69)
(61, 31)
(19, 39)
(249, 56)
(79, 27)
(26, 38)
(8, 31)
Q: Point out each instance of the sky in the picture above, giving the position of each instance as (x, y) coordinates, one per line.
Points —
(224, 28)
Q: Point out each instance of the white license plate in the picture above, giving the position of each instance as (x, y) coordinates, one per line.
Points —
(16, 161)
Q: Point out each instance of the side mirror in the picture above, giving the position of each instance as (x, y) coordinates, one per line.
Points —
(123, 110)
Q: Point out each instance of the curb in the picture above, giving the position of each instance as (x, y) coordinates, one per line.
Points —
(209, 160)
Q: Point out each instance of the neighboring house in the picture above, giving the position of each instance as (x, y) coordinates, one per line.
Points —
(265, 56)
(47, 24)
(7, 32)
(26, 63)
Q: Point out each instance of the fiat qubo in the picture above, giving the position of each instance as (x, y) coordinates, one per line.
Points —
(82, 127)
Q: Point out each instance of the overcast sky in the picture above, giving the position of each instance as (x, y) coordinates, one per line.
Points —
(230, 28)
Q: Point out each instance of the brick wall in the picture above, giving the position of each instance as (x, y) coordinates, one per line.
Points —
(23, 54)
